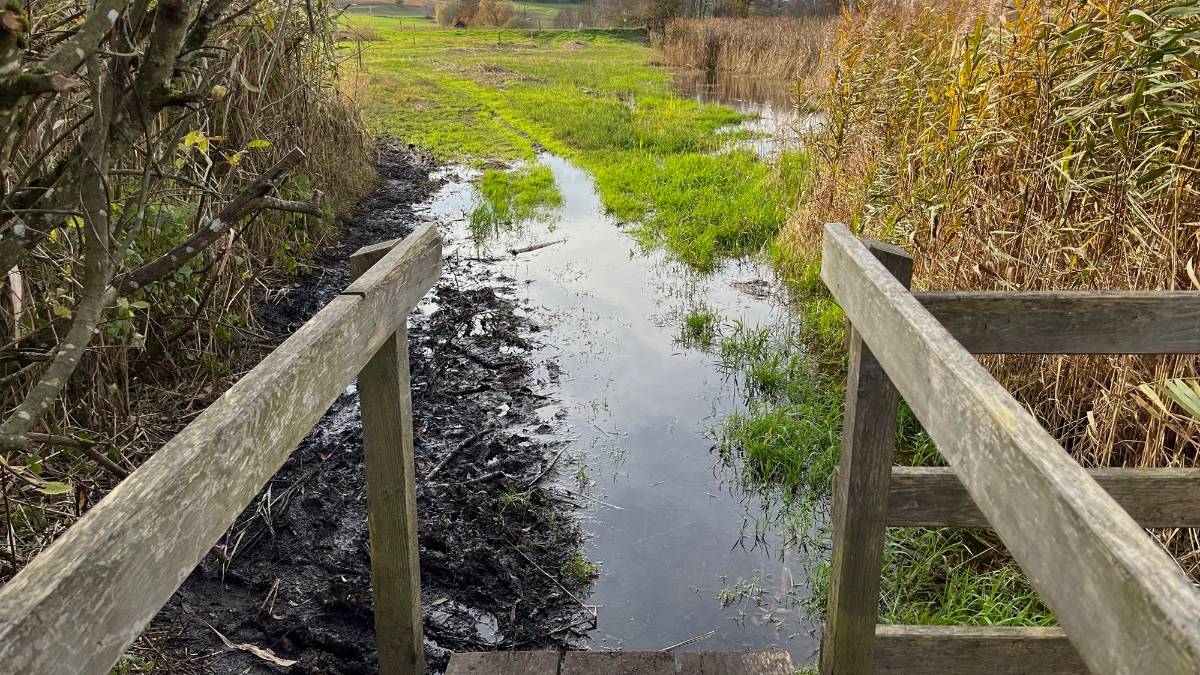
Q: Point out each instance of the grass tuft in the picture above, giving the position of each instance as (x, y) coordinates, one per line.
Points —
(579, 569)
(511, 198)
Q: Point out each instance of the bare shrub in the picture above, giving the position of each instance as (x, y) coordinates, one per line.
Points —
(159, 159)
(494, 14)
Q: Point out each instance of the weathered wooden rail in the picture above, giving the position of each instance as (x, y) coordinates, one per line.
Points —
(1123, 604)
(80, 604)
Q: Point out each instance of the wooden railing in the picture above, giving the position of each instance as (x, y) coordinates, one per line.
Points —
(1123, 604)
(81, 603)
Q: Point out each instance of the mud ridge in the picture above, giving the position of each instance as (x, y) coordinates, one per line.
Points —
(293, 574)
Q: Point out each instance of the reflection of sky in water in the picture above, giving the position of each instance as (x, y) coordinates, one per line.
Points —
(665, 530)
(778, 125)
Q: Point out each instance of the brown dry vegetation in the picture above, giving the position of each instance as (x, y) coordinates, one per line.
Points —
(768, 47)
(250, 81)
(1048, 146)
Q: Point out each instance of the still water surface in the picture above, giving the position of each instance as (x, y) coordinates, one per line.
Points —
(666, 527)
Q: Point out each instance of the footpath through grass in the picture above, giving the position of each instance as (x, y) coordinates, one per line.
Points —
(495, 98)
(489, 97)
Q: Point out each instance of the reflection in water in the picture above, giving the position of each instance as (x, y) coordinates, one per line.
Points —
(777, 123)
(750, 93)
(512, 199)
(635, 405)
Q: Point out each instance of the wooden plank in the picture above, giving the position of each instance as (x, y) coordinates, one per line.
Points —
(77, 606)
(385, 393)
(967, 650)
(1124, 602)
(626, 663)
(503, 663)
(1070, 322)
(737, 663)
(860, 501)
(934, 497)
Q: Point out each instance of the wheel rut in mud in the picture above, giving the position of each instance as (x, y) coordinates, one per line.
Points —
(292, 576)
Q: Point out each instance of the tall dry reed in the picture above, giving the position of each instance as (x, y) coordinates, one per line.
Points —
(768, 47)
(1046, 146)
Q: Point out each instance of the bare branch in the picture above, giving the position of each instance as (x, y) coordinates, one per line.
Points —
(246, 202)
(98, 271)
(31, 84)
(87, 447)
(71, 54)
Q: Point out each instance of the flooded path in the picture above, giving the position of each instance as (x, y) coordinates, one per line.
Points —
(772, 103)
(677, 556)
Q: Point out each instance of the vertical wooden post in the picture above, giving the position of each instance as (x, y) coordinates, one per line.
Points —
(860, 495)
(385, 393)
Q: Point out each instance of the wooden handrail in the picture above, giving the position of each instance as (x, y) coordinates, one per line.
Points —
(79, 604)
(1069, 322)
(1123, 601)
(986, 650)
(926, 496)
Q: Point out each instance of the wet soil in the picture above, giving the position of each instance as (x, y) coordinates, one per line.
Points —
(292, 575)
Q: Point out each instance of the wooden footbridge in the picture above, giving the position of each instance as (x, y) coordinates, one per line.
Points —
(1123, 604)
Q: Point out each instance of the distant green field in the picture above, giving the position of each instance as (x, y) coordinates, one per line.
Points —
(490, 96)
(536, 11)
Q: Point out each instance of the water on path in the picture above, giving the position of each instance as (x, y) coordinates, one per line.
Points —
(677, 558)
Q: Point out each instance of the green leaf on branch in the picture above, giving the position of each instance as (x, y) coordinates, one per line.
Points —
(55, 488)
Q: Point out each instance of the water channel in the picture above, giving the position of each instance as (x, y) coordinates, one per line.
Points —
(667, 527)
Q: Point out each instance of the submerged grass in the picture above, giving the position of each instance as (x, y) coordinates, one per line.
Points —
(700, 327)
(785, 441)
(510, 198)
(667, 164)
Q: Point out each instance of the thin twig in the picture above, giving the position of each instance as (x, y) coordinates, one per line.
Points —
(548, 467)
(695, 638)
(586, 607)
(457, 449)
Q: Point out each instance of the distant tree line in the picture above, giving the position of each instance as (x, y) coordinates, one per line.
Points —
(476, 13)
(614, 13)
(655, 13)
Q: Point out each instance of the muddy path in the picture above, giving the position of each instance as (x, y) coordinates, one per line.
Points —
(292, 575)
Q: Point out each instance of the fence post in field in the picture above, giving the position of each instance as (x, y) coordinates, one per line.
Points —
(860, 496)
(385, 393)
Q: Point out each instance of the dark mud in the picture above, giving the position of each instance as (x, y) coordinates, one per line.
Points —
(293, 574)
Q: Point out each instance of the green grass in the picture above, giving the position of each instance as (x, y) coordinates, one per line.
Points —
(786, 444)
(699, 327)
(786, 441)
(955, 577)
(510, 198)
(487, 96)
(579, 569)
(389, 10)
(537, 11)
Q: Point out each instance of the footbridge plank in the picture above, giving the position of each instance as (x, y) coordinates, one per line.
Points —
(625, 663)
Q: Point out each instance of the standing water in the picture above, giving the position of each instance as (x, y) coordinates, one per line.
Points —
(667, 528)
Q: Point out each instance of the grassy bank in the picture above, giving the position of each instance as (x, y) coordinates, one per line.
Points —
(661, 162)
(1050, 147)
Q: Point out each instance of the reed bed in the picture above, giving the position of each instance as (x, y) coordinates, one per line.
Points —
(767, 47)
(1044, 145)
